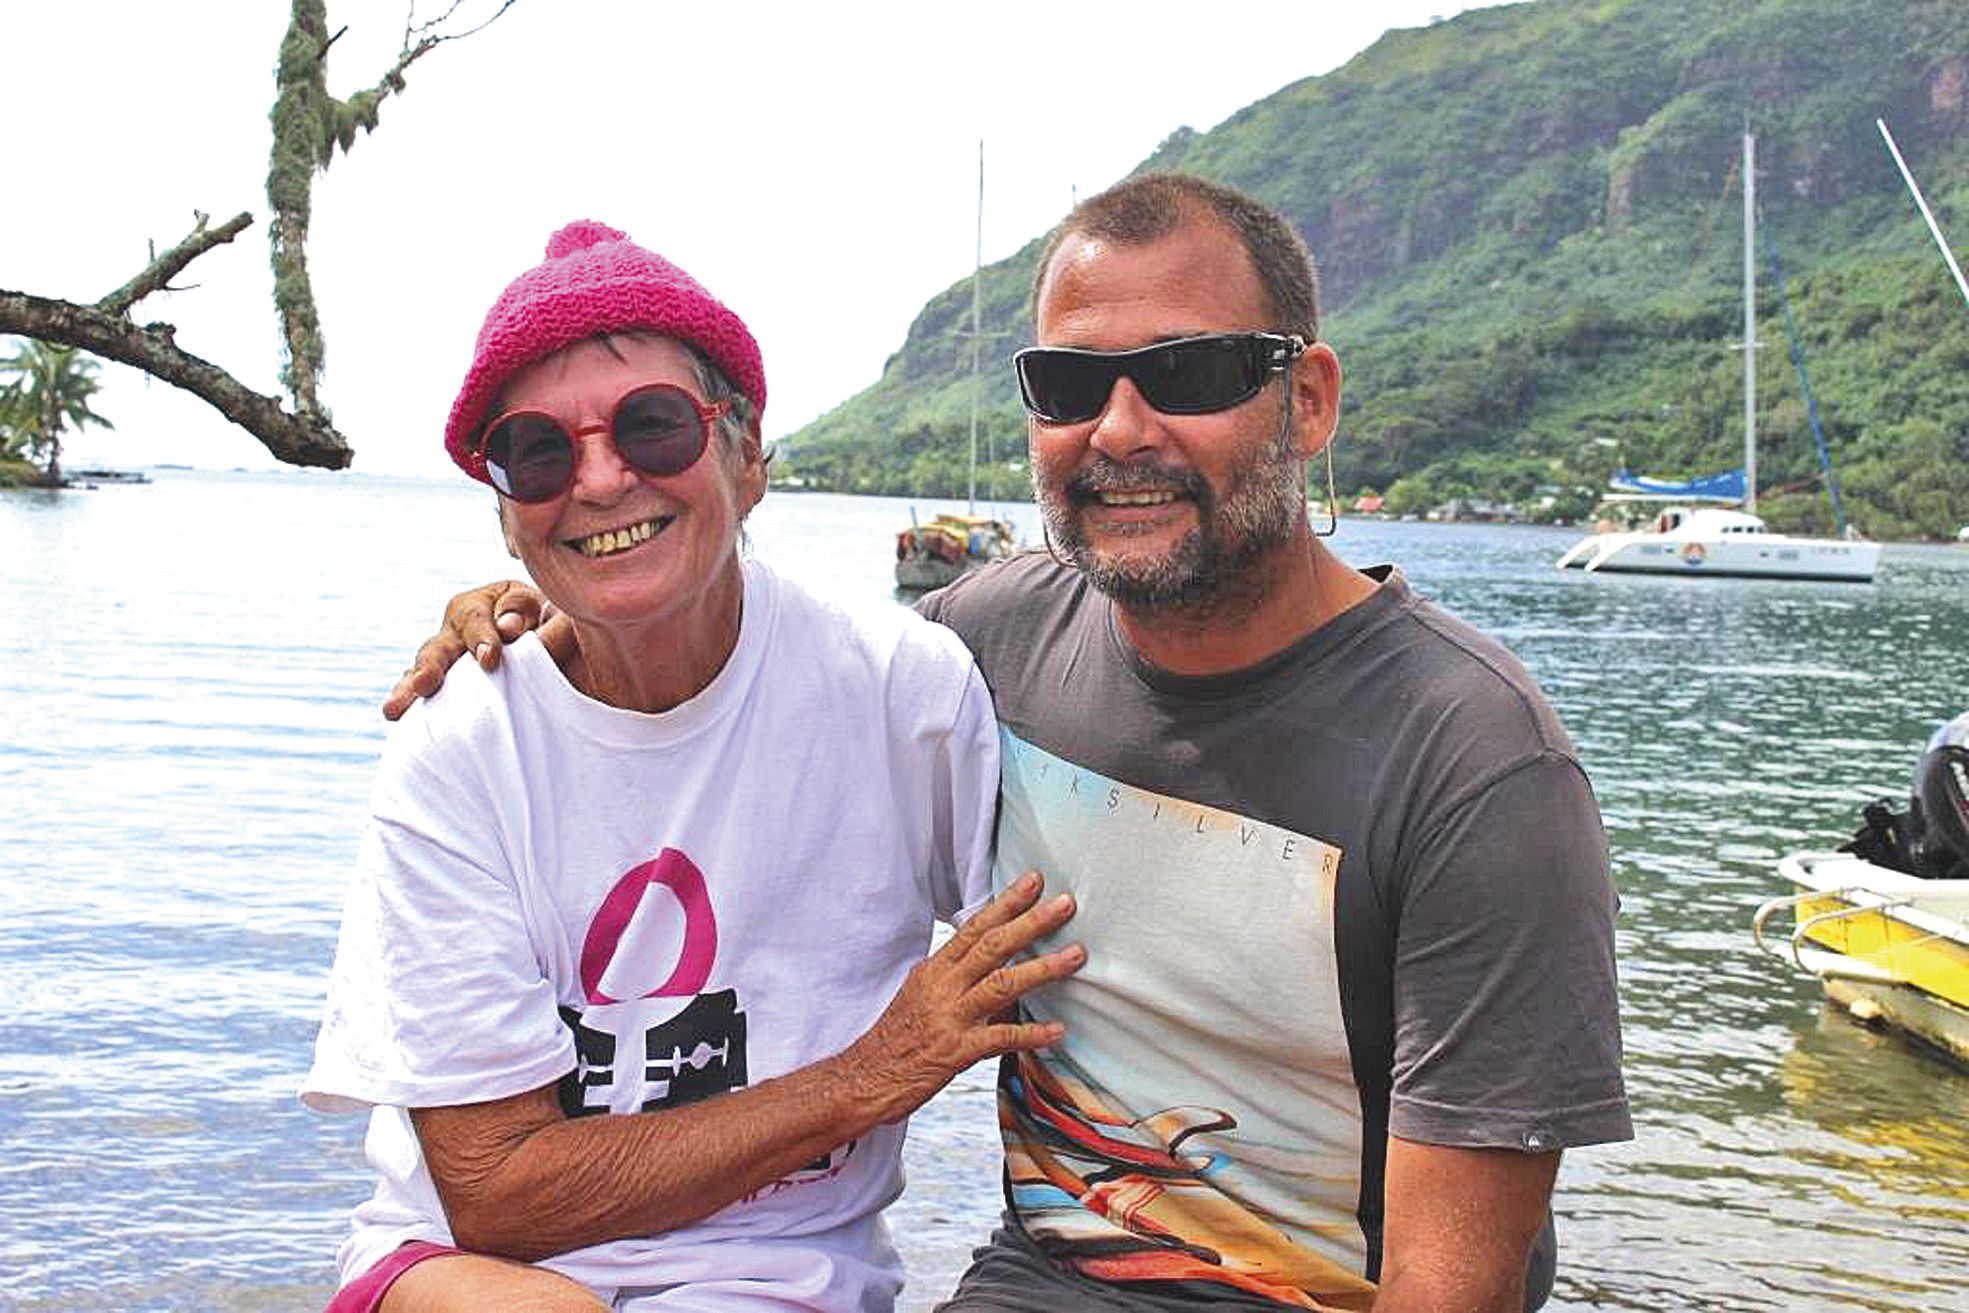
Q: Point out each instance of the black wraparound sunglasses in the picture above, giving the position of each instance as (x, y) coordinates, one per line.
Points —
(1189, 376)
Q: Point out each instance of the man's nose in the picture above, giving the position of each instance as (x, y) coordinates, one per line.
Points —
(1129, 426)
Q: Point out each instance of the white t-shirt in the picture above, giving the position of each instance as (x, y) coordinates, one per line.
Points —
(651, 909)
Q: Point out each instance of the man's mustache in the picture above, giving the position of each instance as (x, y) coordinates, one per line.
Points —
(1109, 475)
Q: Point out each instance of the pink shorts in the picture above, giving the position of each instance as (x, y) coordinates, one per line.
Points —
(365, 1293)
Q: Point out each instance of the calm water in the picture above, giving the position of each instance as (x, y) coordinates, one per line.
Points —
(188, 728)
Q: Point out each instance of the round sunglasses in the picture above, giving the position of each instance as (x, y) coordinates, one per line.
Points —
(658, 429)
(1189, 376)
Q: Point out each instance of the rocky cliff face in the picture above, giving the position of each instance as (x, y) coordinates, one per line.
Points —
(1544, 122)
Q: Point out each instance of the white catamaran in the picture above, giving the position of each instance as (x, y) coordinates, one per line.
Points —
(1696, 540)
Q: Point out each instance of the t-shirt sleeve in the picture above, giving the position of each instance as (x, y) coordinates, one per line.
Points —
(437, 996)
(1507, 1029)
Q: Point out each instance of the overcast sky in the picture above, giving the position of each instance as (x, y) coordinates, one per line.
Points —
(814, 165)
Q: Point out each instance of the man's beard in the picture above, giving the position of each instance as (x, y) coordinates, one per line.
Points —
(1260, 510)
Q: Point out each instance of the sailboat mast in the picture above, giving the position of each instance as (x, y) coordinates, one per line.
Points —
(1749, 322)
(977, 339)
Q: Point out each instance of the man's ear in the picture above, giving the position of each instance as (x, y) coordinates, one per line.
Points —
(1316, 398)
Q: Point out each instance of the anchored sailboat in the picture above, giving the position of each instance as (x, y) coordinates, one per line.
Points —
(1690, 539)
(934, 554)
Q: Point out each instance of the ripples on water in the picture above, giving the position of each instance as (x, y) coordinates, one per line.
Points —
(187, 733)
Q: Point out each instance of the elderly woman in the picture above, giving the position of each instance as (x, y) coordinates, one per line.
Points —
(631, 976)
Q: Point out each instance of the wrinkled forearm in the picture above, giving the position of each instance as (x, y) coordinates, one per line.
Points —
(520, 1180)
(530, 1191)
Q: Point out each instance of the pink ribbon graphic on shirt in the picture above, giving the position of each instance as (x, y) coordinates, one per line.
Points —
(680, 876)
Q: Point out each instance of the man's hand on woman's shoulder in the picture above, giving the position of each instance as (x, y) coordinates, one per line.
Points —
(481, 621)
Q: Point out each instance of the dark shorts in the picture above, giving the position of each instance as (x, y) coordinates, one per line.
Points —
(1013, 1274)
(365, 1293)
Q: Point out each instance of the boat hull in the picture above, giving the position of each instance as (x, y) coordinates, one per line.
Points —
(1935, 1024)
(1890, 948)
(920, 574)
(1760, 556)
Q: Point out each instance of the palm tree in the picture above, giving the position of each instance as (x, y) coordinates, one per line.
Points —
(13, 421)
(49, 392)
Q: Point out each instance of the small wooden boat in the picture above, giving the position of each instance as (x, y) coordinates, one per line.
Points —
(942, 551)
(934, 554)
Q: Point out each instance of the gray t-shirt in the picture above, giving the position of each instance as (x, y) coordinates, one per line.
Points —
(1357, 889)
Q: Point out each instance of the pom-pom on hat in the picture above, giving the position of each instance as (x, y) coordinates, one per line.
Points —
(595, 280)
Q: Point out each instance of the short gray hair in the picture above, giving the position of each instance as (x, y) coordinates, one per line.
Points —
(734, 428)
(1150, 206)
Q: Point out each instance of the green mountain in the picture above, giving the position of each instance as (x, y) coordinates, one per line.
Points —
(1527, 224)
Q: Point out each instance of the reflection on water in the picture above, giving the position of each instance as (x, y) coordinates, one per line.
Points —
(1844, 1079)
(189, 730)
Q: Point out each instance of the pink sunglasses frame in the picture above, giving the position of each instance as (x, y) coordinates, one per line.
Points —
(708, 412)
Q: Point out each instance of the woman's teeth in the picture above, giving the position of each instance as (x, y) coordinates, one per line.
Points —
(611, 541)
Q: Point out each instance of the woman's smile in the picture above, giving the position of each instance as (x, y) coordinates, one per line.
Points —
(614, 542)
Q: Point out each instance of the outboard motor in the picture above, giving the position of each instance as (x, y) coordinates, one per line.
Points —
(1930, 837)
(1941, 801)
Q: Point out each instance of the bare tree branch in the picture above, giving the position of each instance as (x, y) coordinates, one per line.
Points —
(393, 80)
(411, 27)
(470, 31)
(295, 439)
(163, 268)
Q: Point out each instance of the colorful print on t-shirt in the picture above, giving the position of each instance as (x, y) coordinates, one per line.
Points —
(1126, 1162)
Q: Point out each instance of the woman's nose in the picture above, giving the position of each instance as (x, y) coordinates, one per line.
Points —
(600, 473)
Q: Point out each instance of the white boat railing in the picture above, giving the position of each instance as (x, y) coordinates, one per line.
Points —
(1828, 963)
(1940, 908)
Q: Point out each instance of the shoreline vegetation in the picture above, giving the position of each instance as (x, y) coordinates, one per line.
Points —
(1554, 508)
(17, 475)
(23, 474)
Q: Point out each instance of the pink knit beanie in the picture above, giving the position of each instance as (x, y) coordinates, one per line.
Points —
(595, 280)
